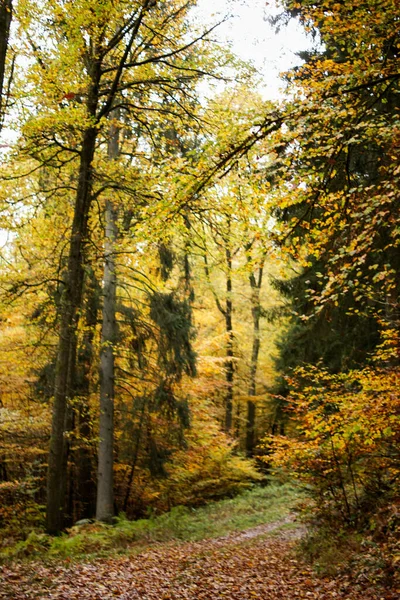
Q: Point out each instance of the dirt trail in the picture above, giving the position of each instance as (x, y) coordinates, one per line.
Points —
(258, 563)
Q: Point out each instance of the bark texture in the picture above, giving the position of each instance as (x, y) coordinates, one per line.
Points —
(255, 285)
(229, 376)
(5, 22)
(71, 301)
(105, 479)
(84, 470)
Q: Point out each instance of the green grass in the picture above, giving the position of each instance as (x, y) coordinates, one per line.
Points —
(251, 508)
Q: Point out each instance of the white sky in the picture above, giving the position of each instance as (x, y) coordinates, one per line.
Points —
(253, 38)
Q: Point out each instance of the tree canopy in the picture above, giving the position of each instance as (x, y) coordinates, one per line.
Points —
(199, 286)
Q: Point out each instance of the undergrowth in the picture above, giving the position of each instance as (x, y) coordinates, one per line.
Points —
(370, 553)
(249, 509)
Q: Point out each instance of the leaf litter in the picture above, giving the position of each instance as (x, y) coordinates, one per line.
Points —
(257, 564)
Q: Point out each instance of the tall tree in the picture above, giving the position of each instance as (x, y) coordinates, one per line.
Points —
(105, 479)
(5, 22)
(339, 221)
(256, 274)
(150, 35)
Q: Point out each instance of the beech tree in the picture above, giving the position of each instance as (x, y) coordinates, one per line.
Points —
(256, 274)
(105, 481)
(105, 52)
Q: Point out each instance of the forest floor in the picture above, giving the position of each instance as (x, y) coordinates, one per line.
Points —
(257, 563)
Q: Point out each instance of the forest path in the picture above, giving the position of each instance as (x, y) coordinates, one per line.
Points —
(257, 563)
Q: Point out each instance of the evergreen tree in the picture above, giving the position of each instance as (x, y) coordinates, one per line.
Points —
(339, 225)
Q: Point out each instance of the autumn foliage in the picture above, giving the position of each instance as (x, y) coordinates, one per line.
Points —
(145, 225)
(339, 224)
(346, 447)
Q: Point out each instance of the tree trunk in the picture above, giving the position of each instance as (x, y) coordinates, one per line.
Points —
(105, 479)
(71, 301)
(5, 22)
(85, 490)
(67, 489)
(256, 314)
(229, 344)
